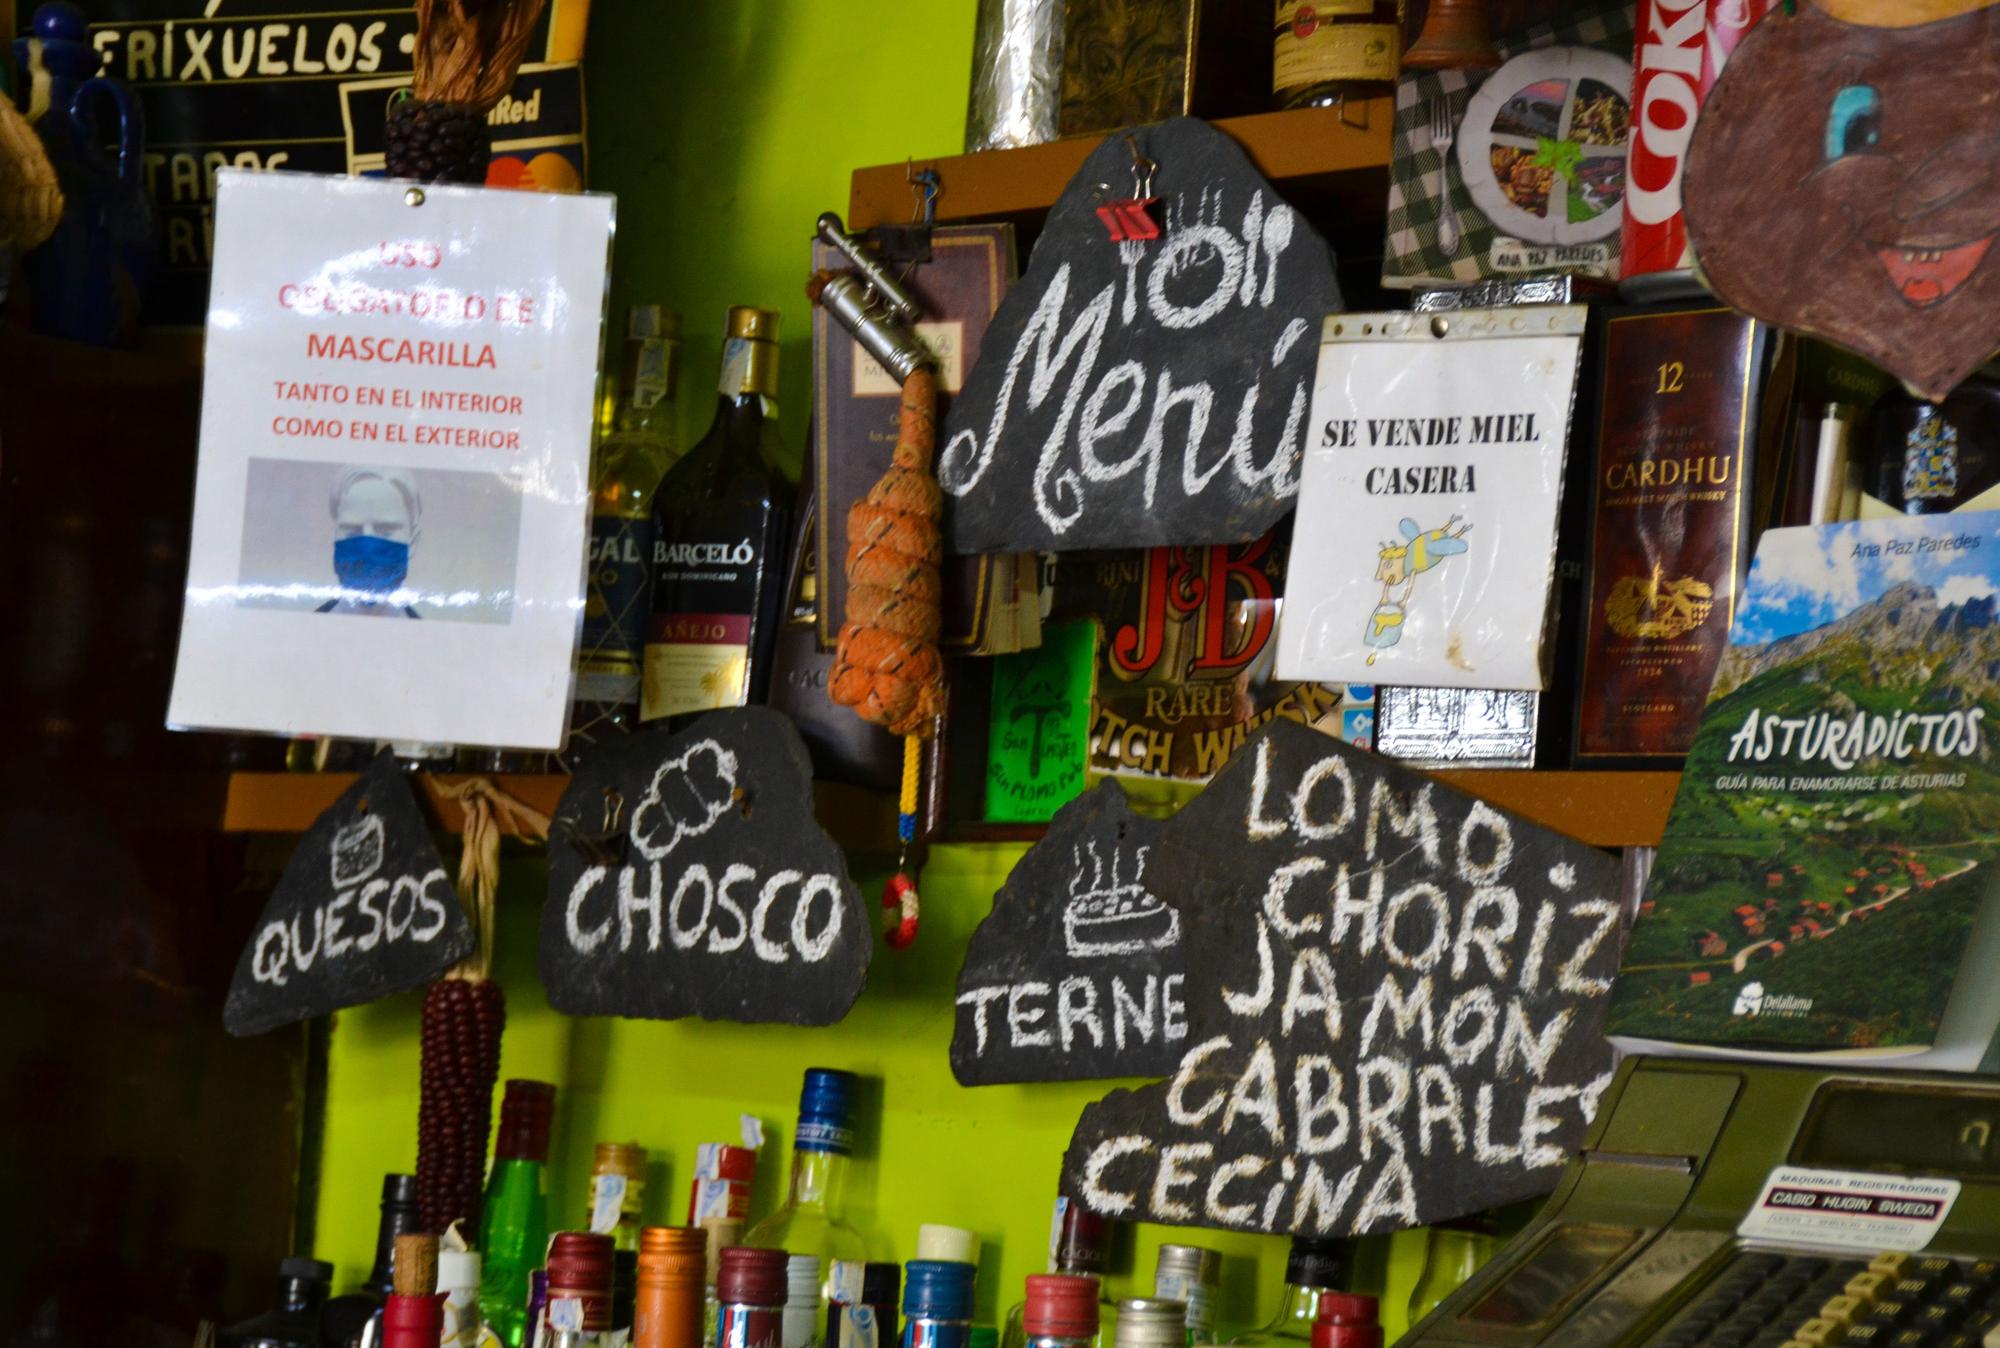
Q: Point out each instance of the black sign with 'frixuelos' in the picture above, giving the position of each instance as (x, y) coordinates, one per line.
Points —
(1138, 392)
(1076, 973)
(1396, 995)
(364, 908)
(687, 877)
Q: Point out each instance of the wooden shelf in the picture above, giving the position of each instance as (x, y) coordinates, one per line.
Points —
(288, 802)
(1604, 809)
(1307, 149)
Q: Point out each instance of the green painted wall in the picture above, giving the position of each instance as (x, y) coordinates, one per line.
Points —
(725, 129)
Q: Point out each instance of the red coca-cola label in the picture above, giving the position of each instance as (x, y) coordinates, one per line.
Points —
(1681, 48)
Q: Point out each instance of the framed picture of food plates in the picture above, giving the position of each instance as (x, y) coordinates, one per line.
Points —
(1541, 146)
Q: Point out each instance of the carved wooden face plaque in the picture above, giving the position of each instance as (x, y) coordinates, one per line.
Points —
(1844, 181)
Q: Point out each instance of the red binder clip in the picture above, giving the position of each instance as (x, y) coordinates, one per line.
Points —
(1134, 219)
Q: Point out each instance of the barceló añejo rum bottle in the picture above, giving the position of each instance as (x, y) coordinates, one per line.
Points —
(720, 521)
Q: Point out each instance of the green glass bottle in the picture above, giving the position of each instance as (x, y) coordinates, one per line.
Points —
(514, 1232)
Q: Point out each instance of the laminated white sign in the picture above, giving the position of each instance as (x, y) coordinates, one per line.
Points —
(1423, 551)
(392, 498)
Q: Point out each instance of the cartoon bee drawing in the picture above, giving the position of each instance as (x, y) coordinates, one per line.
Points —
(1399, 564)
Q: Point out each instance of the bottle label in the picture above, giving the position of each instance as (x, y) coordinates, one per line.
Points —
(1313, 47)
(649, 373)
(607, 1202)
(818, 1135)
(461, 1320)
(749, 1327)
(1930, 459)
(937, 1334)
(854, 1327)
(616, 604)
(696, 662)
(1199, 1298)
(735, 368)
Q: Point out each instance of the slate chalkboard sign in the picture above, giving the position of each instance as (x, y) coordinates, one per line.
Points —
(1140, 393)
(1077, 972)
(687, 878)
(364, 908)
(1395, 996)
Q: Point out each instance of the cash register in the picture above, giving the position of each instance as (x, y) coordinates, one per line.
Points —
(1745, 1205)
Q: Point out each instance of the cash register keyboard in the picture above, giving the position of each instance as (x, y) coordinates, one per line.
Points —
(1895, 1300)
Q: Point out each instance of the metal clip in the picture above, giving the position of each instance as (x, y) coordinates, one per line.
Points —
(926, 187)
(1133, 219)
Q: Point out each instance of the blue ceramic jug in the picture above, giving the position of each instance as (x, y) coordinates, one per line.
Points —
(86, 282)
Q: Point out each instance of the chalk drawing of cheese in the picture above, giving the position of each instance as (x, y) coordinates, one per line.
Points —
(1115, 918)
(357, 851)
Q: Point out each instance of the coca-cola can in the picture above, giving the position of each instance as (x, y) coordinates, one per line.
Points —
(1678, 54)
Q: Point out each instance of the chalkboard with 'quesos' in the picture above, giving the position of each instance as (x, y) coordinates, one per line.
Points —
(1395, 1001)
(363, 908)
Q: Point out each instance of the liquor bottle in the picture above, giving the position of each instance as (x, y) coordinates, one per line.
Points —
(634, 452)
(1928, 458)
(1079, 1243)
(1186, 1273)
(618, 1192)
(802, 1318)
(954, 1243)
(1453, 1252)
(514, 1231)
(721, 518)
(413, 1316)
(718, 1201)
(862, 1301)
(1325, 52)
(810, 1222)
(295, 1321)
(1061, 1310)
(580, 1279)
(937, 1304)
(1315, 1265)
(750, 1285)
(1151, 1322)
(668, 1312)
(346, 1317)
(1347, 1320)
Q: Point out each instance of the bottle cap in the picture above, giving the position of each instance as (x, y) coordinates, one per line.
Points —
(802, 1279)
(1151, 1322)
(937, 1289)
(458, 1268)
(756, 324)
(954, 1243)
(526, 1111)
(1082, 1242)
(413, 1319)
(1060, 1306)
(306, 1270)
(1191, 1263)
(747, 1277)
(416, 1264)
(1346, 1320)
(398, 1190)
(652, 320)
(580, 1266)
(620, 1158)
(826, 1111)
(1316, 1261)
(673, 1255)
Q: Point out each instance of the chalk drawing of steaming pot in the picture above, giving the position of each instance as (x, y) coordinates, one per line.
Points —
(1118, 918)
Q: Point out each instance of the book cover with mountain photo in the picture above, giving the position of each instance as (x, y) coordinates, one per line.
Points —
(1822, 888)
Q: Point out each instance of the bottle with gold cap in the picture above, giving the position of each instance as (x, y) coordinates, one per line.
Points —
(671, 1290)
(618, 1192)
(721, 518)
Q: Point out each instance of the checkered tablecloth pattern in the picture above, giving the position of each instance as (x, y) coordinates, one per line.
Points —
(1417, 190)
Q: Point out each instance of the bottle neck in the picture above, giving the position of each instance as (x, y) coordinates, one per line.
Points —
(819, 1181)
(1301, 1304)
(398, 1219)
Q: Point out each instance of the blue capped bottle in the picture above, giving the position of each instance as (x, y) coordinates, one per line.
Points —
(937, 1304)
(810, 1222)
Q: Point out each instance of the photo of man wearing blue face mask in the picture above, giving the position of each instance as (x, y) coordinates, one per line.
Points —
(377, 520)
